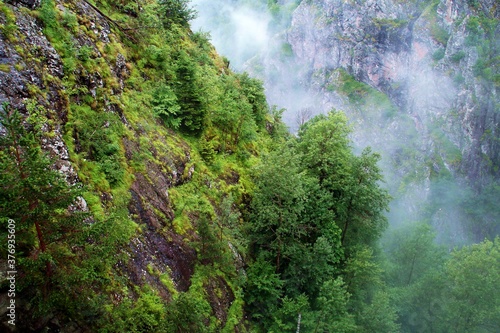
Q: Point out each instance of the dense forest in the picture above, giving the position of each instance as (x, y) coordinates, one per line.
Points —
(145, 186)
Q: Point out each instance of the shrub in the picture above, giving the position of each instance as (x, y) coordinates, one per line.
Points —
(456, 57)
(166, 107)
(438, 55)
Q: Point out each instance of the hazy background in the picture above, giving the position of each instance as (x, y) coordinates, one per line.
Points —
(254, 41)
(239, 32)
(409, 137)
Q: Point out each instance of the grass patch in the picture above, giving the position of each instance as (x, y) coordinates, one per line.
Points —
(361, 94)
(439, 34)
(9, 29)
(392, 24)
(6, 68)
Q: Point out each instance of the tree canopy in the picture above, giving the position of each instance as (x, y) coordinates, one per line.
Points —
(314, 203)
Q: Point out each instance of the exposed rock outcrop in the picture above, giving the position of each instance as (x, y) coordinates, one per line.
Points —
(34, 80)
(423, 57)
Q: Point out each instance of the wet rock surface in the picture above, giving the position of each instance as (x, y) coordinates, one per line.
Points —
(32, 68)
(220, 297)
(158, 246)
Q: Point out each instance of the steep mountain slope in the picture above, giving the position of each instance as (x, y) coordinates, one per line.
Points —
(145, 187)
(155, 136)
(151, 189)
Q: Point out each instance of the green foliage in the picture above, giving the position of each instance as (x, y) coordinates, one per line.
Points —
(420, 306)
(324, 144)
(278, 204)
(286, 317)
(84, 53)
(39, 200)
(150, 314)
(9, 28)
(208, 148)
(210, 248)
(357, 200)
(228, 221)
(448, 150)
(313, 205)
(373, 309)
(146, 314)
(274, 124)
(356, 91)
(473, 28)
(456, 293)
(440, 34)
(435, 292)
(70, 21)
(473, 3)
(438, 55)
(380, 315)
(482, 34)
(370, 102)
(413, 253)
(332, 315)
(95, 137)
(176, 12)
(412, 258)
(389, 23)
(263, 290)
(281, 11)
(187, 314)
(58, 36)
(253, 90)
(473, 275)
(166, 107)
(233, 116)
(280, 234)
(289, 229)
(190, 98)
(112, 137)
(304, 224)
(239, 113)
(456, 57)
(5, 68)
(483, 212)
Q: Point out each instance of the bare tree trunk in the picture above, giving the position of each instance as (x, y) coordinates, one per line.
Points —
(298, 322)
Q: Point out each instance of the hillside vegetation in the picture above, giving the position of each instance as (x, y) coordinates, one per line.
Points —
(154, 190)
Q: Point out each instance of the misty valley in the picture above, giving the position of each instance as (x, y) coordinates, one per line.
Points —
(250, 166)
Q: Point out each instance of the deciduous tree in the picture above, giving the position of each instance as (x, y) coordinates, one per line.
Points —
(356, 198)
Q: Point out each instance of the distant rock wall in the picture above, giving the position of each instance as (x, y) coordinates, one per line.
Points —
(422, 57)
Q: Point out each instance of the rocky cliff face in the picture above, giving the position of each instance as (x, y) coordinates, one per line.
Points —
(73, 72)
(422, 56)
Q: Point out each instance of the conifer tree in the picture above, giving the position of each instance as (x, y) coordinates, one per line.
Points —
(192, 108)
(38, 199)
(176, 12)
